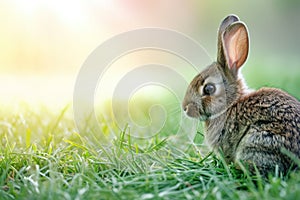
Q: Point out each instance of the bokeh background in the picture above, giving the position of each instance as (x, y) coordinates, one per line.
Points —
(44, 43)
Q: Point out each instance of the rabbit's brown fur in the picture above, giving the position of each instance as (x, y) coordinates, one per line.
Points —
(253, 127)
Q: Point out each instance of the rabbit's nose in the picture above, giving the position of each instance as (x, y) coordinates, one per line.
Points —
(185, 108)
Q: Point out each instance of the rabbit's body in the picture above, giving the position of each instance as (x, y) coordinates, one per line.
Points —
(254, 127)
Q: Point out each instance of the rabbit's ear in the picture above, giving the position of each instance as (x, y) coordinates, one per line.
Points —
(224, 24)
(235, 45)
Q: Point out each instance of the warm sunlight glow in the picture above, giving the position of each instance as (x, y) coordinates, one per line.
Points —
(44, 43)
(39, 52)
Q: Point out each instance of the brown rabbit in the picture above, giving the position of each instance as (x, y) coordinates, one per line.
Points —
(253, 127)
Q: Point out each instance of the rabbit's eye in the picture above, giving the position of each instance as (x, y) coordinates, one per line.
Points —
(209, 89)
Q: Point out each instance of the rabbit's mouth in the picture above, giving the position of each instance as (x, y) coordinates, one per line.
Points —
(192, 110)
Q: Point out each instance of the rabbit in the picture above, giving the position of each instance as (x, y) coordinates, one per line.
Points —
(255, 128)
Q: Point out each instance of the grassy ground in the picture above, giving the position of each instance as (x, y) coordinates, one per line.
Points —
(43, 157)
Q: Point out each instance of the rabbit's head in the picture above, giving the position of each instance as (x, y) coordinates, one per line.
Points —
(220, 84)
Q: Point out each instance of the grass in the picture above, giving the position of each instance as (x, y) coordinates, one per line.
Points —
(43, 157)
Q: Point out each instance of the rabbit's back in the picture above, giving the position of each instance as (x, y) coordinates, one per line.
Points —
(260, 126)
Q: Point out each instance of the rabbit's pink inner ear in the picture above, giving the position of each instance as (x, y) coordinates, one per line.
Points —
(236, 45)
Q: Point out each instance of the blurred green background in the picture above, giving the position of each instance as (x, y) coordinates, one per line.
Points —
(44, 43)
